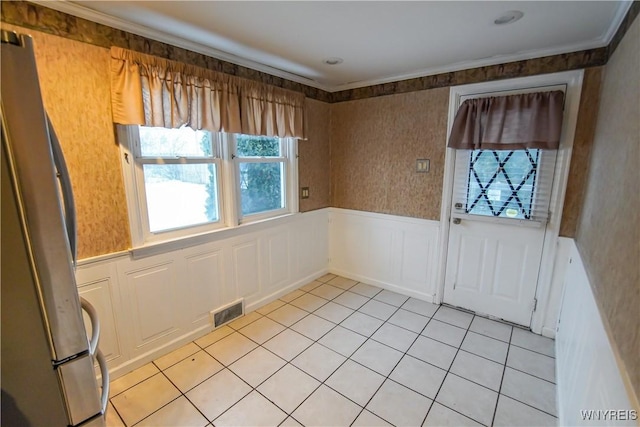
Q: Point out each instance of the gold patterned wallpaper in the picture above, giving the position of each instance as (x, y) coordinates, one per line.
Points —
(74, 79)
(376, 141)
(314, 162)
(608, 235)
(583, 140)
(348, 161)
(374, 145)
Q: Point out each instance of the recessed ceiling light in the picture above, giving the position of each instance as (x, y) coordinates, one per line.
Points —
(509, 17)
(333, 61)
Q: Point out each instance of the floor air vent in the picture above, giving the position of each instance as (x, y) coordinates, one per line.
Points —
(228, 313)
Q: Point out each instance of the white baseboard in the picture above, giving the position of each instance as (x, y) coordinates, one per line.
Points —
(393, 252)
(384, 285)
(283, 291)
(157, 352)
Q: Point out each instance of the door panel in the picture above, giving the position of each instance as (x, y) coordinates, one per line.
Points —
(511, 270)
(492, 268)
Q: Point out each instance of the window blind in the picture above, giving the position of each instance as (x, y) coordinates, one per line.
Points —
(510, 184)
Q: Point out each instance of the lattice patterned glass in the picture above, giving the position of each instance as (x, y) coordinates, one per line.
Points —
(502, 183)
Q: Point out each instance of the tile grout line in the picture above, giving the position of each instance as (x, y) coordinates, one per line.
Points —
(396, 365)
(117, 413)
(504, 369)
(288, 363)
(533, 351)
(421, 334)
(333, 327)
(182, 394)
(222, 364)
(162, 371)
(364, 407)
(349, 357)
(445, 378)
(341, 364)
(435, 396)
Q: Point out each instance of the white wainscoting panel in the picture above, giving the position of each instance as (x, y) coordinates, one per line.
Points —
(277, 258)
(311, 243)
(393, 252)
(204, 284)
(152, 305)
(154, 297)
(246, 268)
(96, 286)
(552, 306)
(589, 374)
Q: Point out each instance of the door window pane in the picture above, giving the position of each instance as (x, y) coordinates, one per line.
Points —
(261, 187)
(502, 183)
(180, 195)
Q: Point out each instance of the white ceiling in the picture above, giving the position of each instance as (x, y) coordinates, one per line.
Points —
(380, 41)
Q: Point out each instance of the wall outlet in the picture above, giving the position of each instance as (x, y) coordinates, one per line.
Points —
(304, 193)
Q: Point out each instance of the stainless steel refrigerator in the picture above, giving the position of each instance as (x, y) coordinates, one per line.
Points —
(48, 375)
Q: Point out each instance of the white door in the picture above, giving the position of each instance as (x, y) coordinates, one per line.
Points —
(500, 205)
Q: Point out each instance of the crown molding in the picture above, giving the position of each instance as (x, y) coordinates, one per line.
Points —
(83, 12)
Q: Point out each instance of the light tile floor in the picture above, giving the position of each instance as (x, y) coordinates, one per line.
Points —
(341, 353)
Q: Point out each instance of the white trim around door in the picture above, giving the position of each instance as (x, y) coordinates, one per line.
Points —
(572, 80)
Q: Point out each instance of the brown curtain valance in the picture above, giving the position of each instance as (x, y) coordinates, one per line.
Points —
(268, 110)
(152, 91)
(530, 120)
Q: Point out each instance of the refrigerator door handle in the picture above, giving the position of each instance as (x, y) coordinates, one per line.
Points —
(104, 371)
(95, 324)
(67, 191)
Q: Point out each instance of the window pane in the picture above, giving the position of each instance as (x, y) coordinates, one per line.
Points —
(261, 187)
(502, 183)
(258, 146)
(182, 142)
(180, 195)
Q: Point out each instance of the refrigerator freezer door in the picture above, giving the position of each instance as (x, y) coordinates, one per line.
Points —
(78, 381)
(30, 387)
(29, 152)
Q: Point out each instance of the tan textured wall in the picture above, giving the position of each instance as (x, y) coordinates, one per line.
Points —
(75, 88)
(374, 145)
(608, 235)
(583, 141)
(314, 163)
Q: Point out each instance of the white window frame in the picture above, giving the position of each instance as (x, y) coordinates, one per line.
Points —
(230, 216)
(288, 150)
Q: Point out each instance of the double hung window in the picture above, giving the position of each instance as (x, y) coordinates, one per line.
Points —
(183, 182)
(261, 175)
(179, 177)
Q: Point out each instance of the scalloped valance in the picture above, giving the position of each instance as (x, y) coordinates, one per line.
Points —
(152, 91)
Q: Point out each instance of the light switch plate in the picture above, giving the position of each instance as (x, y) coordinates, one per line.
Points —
(422, 165)
(304, 192)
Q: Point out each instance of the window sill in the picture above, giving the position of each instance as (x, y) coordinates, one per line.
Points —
(157, 248)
